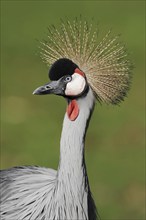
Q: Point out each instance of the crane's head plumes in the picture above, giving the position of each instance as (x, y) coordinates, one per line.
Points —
(77, 60)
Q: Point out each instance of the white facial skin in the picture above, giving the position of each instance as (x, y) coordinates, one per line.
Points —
(76, 86)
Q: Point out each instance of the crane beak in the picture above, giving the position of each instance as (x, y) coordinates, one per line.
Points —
(53, 87)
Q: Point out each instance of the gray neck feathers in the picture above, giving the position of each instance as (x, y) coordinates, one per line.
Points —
(73, 135)
(72, 177)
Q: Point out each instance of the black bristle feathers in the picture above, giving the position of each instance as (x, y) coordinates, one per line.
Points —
(61, 68)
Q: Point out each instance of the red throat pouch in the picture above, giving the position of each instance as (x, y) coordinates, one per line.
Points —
(73, 110)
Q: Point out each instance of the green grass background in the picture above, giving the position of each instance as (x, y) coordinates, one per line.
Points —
(31, 125)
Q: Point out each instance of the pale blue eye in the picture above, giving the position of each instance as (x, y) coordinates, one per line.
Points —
(68, 79)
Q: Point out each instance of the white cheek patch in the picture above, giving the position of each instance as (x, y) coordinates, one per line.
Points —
(76, 86)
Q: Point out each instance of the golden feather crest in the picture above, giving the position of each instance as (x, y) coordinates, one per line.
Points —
(104, 63)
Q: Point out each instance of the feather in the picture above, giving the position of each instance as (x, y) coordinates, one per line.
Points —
(104, 62)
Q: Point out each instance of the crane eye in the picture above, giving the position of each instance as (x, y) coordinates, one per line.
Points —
(68, 79)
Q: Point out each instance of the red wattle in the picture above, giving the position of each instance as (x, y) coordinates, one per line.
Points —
(73, 110)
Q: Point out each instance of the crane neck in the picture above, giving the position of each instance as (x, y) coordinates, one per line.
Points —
(73, 137)
(72, 187)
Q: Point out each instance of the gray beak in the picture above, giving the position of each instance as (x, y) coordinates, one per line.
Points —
(42, 90)
(53, 87)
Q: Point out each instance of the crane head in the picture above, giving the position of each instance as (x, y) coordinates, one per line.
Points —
(66, 80)
(79, 60)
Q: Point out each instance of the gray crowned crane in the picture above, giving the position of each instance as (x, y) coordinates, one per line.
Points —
(82, 71)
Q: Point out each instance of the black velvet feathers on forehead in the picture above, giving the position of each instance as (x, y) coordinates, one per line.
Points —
(61, 68)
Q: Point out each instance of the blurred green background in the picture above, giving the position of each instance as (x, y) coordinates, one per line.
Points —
(31, 125)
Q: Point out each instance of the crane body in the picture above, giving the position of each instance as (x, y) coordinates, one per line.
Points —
(83, 72)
